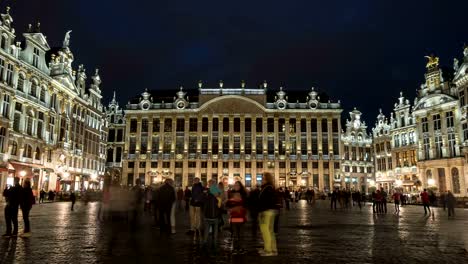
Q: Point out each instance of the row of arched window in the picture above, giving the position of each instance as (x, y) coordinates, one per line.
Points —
(28, 151)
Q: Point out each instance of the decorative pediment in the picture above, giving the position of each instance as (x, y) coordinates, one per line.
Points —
(232, 104)
(433, 100)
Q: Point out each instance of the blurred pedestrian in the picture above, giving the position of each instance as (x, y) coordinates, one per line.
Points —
(451, 202)
(195, 207)
(41, 196)
(334, 197)
(425, 201)
(253, 209)
(26, 203)
(267, 209)
(237, 212)
(73, 200)
(396, 200)
(187, 196)
(384, 200)
(180, 198)
(13, 197)
(166, 199)
(211, 215)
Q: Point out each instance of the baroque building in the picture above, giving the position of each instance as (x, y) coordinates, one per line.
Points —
(115, 140)
(404, 146)
(53, 129)
(357, 158)
(230, 134)
(382, 138)
(438, 123)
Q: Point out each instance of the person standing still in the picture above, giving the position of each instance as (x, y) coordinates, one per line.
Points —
(12, 196)
(26, 203)
(425, 201)
(166, 200)
(73, 200)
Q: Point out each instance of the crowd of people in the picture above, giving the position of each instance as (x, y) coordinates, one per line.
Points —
(210, 208)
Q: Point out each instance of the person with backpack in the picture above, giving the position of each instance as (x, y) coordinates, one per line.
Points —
(237, 212)
(211, 213)
(268, 210)
(26, 202)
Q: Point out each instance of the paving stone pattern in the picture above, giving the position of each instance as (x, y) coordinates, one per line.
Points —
(308, 234)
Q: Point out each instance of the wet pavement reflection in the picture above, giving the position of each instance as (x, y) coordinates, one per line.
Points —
(308, 234)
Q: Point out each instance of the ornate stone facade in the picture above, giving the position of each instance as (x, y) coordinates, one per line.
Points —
(116, 140)
(233, 134)
(384, 175)
(357, 163)
(52, 127)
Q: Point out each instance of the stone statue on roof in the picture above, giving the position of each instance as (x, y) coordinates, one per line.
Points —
(66, 40)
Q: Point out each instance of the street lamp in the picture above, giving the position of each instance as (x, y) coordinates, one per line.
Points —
(398, 183)
(66, 174)
(22, 173)
(94, 176)
(431, 182)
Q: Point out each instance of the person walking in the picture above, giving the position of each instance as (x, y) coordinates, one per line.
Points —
(267, 209)
(41, 196)
(451, 202)
(287, 197)
(180, 198)
(26, 202)
(166, 199)
(187, 196)
(253, 209)
(195, 207)
(426, 202)
(358, 199)
(73, 200)
(334, 197)
(174, 207)
(293, 198)
(211, 214)
(396, 200)
(384, 200)
(236, 205)
(13, 197)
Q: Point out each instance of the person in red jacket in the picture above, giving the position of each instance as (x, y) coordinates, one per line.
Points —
(425, 201)
(237, 211)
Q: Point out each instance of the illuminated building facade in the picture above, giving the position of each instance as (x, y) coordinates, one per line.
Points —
(384, 175)
(233, 134)
(357, 163)
(115, 140)
(52, 129)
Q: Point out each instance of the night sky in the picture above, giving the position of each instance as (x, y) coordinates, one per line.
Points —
(360, 52)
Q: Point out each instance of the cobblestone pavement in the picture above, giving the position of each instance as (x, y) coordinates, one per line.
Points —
(307, 235)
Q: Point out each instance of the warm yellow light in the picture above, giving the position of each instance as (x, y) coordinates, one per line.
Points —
(22, 173)
(431, 182)
(66, 174)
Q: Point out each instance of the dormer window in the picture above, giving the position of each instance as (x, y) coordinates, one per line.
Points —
(35, 61)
